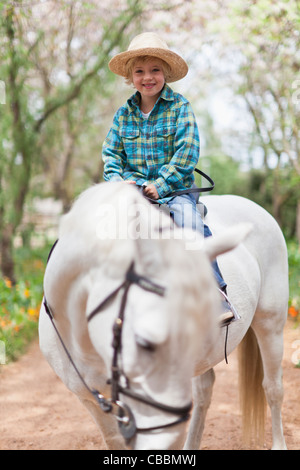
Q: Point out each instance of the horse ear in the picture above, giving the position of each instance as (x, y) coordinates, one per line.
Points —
(227, 240)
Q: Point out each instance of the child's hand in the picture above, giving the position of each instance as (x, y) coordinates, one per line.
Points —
(151, 191)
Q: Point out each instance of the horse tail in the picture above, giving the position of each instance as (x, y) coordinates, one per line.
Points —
(252, 396)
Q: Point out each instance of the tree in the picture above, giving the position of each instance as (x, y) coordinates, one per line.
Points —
(262, 38)
(30, 102)
(269, 72)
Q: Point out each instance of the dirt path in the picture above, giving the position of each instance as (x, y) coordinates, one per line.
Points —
(37, 412)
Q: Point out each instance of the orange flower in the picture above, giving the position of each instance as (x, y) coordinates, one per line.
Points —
(26, 293)
(8, 282)
(32, 312)
(38, 264)
(293, 312)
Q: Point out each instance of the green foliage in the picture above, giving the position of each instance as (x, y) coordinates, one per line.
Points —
(20, 303)
(294, 277)
(55, 77)
(261, 38)
(60, 98)
(226, 173)
(258, 185)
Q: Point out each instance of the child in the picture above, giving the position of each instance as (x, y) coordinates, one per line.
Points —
(154, 139)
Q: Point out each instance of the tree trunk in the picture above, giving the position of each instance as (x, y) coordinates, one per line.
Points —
(6, 251)
(277, 198)
(25, 129)
(298, 222)
(13, 205)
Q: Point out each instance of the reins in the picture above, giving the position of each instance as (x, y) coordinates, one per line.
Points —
(182, 192)
(197, 190)
(125, 417)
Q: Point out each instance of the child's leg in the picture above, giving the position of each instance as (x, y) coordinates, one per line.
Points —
(185, 214)
(217, 272)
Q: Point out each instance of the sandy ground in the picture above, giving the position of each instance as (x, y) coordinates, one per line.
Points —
(37, 412)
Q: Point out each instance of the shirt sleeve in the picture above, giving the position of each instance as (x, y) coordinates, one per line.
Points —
(113, 154)
(179, 171)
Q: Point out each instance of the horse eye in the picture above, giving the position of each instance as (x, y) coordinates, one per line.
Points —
(144, 343)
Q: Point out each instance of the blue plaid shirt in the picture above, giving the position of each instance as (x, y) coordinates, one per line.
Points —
(162, 149)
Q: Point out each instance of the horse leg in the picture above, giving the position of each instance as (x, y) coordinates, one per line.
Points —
(107, 426)
(202, 387)
(271, 347)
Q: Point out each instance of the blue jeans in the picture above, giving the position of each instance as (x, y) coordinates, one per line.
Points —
(185, 214)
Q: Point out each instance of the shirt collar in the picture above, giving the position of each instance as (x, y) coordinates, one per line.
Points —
(167, 94)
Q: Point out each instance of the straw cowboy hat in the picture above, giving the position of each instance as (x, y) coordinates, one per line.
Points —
(149, 44)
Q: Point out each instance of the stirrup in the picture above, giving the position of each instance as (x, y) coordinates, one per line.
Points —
(230, 314)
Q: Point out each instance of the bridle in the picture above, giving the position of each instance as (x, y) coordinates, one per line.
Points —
(122, 412)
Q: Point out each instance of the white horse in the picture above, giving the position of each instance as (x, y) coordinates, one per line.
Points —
(131, 314)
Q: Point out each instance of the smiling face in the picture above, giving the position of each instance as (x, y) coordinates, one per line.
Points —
(148, 78)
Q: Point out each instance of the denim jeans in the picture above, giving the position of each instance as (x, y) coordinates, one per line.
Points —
(185, 214)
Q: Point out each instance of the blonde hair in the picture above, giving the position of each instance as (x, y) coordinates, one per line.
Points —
(146, 58)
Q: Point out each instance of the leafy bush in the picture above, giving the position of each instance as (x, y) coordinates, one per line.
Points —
(294, 280)
(20, 303)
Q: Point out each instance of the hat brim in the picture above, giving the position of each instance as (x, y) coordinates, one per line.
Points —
(178, 66)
